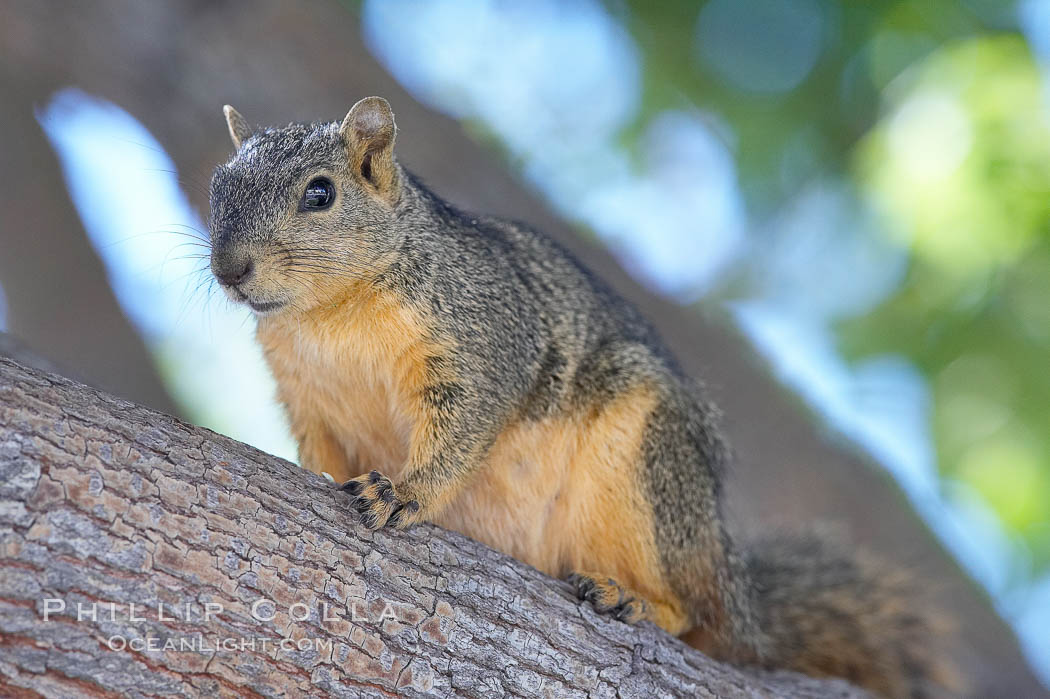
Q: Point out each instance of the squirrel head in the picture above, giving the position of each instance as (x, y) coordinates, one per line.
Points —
(299, 214)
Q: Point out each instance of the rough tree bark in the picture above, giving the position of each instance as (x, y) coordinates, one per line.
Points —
(172, 65)
(106, 504)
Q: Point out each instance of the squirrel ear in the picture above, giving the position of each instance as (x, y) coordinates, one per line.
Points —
(368, 134)
(239, 129)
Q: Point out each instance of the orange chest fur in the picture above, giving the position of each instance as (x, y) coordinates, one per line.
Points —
(354, 374)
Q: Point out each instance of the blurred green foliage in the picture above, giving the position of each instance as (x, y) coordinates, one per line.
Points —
(934, 112)
(784, 138)
(972, 199)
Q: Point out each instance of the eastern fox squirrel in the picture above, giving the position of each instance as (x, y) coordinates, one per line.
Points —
(468, 371)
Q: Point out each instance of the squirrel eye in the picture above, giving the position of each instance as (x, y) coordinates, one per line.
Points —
(319, 194)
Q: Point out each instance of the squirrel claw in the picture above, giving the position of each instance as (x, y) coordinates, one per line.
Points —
(608, 597)
(376, 500)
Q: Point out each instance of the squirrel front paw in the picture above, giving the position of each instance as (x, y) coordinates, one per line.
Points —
(376, 499)
(608, 597)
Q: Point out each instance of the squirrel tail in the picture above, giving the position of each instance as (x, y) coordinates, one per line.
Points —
(823, 611)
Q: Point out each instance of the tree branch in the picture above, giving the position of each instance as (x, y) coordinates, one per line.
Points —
(105, 504)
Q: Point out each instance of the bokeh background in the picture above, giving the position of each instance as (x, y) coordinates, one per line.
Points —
(837, 212)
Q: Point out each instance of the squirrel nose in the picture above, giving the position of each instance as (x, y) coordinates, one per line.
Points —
(232, 272)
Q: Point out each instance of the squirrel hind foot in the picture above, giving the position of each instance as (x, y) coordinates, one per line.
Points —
(608, 597)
